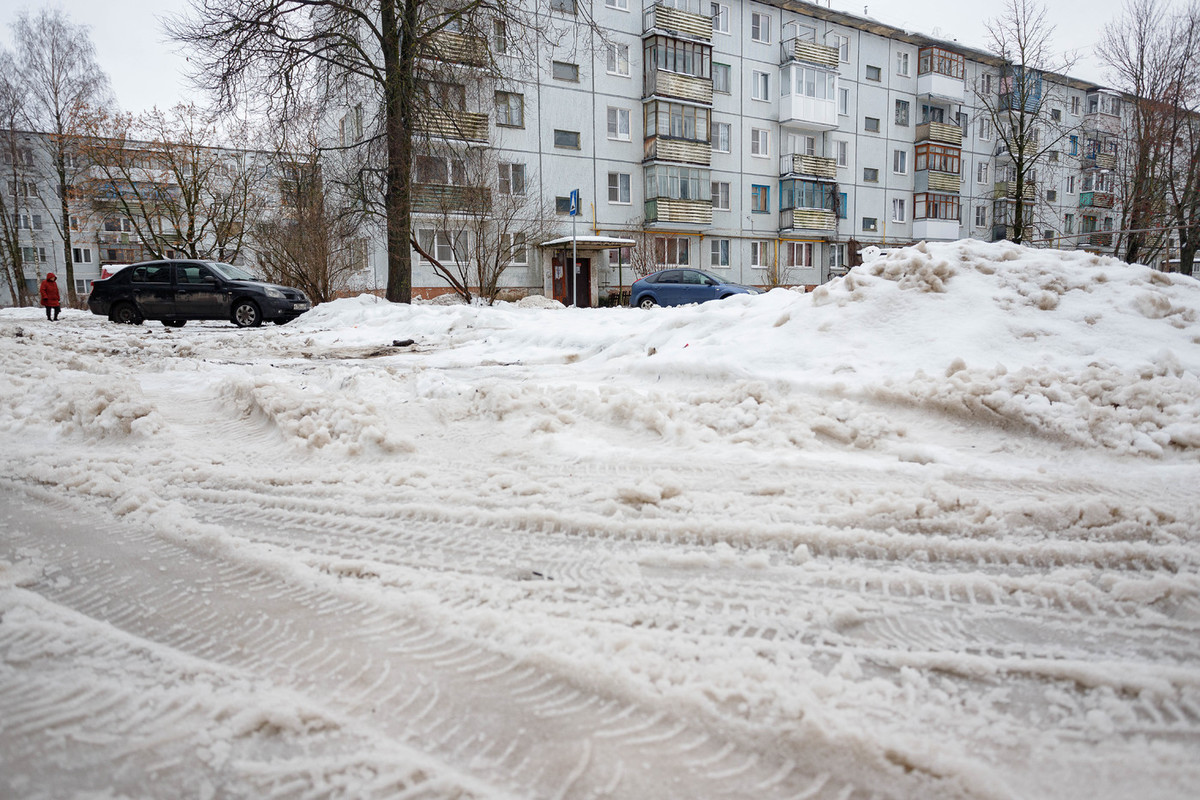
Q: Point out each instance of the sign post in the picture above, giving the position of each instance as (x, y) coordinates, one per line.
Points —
(574, 244)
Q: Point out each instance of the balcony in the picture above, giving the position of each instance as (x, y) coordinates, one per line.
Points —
(434, 197)
(1099, 161)
(808, 166)
(1095, 241)
(798, 50)
(807, 219)
(685, 212)
(940, 132)
(677, 85)
(808, 113)
(1008, 189)
(458, 48)
(463, 125)
(935, 230)
(116, 237)
(940, 74)
(675, 20)
(659, 148)
(934, 181)
(1096, 200)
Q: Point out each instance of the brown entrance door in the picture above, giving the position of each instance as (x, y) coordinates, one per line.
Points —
(583, 283)
(561, 284)
(558, 284)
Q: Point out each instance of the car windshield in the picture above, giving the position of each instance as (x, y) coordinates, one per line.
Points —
(229, 272)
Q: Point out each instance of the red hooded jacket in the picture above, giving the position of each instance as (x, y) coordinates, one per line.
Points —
(49, 291)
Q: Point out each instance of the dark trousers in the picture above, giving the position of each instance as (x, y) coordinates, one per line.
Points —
(54, 309)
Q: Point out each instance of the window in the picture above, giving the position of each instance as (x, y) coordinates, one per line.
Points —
(902, 112)
(562, 71)
(679, 56)
(678, 182)
(720, 17)
(760, 253)
(936, 206)
(1070, 184)
(808, 81)
(676, 120)
(981, 172)
(870, 224)
(671, 251)
(900, 162)
(1052, 157)
(980, 216)
(1075, 105)
(512, 178)
(844, 102)
(514, 245)
(81, 255)
(843, 153)
(760, 86)
(562, 205)
(718, 253)
(760, 199)
(870, 175)
(797, 254)
(902, 64)
(760, 27)
(618, 124)
(932, 113)
(842, 43)
(720, 196)
(620, 5)
(898, 214)
(986, 82)
(1051, 195)
(499, 36)
(874, 73)
(618, 188)
(618, 59)
(795, 193)
(510, 109)
(939, 158)
(843, 207)
(442, 246)
(1068, 223)
(118, 225)
(871, 124)
(1056, 114)
(720, 137)
(33, 222)
(566, 139)
(985, 129)
(565, 6)
(1074, 140)
(759, 142)
(722, 80)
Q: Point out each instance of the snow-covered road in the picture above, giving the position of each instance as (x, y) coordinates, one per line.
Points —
(928, 533)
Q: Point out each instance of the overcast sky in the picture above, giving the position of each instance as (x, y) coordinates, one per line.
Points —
(146, 70)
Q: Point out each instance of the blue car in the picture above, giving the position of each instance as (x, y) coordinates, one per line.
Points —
(678, 287)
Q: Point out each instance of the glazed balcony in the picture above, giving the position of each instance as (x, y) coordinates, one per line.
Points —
(935, 230)
(679, 212)
(1096, 200)
(795, 49)
(940, 74)
(462, 125)
(807, 219)
(692, 22)
(940, 132)
(806, 165)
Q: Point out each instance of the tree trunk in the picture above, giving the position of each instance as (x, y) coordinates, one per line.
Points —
(399, 58)
(65, 222)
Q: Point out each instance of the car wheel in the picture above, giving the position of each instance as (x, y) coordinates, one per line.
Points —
(174, 323)
(647, 302)
(126, 314)
(246, 314)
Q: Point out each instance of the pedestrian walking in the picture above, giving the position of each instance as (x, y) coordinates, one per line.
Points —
(50, 296)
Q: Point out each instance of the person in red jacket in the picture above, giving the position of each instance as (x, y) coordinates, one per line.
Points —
(50, 296)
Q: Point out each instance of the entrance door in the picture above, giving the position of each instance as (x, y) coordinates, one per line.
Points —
(583, 283)
(577, 292)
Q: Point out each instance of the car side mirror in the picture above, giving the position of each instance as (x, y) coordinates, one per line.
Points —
(209, 279)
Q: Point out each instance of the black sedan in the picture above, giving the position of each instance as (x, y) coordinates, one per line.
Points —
(677, 287)
(178, 291)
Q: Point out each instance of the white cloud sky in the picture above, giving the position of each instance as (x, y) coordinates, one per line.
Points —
(147, 70)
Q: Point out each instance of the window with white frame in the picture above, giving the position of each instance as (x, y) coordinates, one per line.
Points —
(842, 148)
(760, 27)
(981, 172)
(760, 85)
(499, 36)
(512, 178)
(843, 102)
(842, 43)
(619, 5)
(720, 17)
(671, 251)
(902, 109)
(514, 245)
(1075, 105)
(443, 246)
(985, 129)
(900, 162)
(718, 253)
(796, 254)
(720, 137)
(1068, 223)
(760, 253)
(760, 142)
(33, 255)
(618, 59)
(899, 210)
(1070, 184)
(720, 196)
(618, 124)
(980, 216)
(722, 78)
(902, 64)
(510, 109)
(618, 188)
(81, 255)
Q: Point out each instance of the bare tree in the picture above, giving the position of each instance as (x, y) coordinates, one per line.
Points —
(176, 179)
(483, 230)
(387, 51)
(1183, 186)
(16, 180)
(1020, 111)
(57, 63)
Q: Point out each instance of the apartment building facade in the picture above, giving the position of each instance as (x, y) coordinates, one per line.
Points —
(768, 140)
